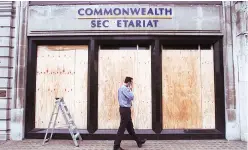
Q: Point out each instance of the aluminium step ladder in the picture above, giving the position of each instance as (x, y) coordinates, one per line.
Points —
(60, 105)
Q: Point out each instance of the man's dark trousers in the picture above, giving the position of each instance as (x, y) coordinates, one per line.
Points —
(126, 123)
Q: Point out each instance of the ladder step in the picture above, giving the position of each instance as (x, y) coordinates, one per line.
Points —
(73, 127)
(77, 135)
(70, 124)
(67, 112)
(47, 140)
(62, 126)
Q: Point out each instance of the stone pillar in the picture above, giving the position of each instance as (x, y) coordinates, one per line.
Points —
(235, 46)
(240, 48)
(232, 110)
(20, 53)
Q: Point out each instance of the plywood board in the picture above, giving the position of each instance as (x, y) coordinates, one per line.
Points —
(207, 90)
(114, 66)
(181, 89)
(81, 78)
(61, 72)
(142, 106)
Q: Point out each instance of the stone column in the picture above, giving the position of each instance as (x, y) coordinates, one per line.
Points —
(20, 67)
(231, 113)
(240, 48)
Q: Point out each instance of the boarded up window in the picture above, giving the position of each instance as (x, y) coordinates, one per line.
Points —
(114, 66)
(61, 72)
(188, 88)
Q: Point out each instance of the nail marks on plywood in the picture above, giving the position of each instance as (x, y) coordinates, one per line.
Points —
(188, 89)
(114, 66)
(207, 89)
(181, 89)
(61, 72)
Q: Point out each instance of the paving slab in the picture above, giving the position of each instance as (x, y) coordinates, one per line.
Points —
(34, 144)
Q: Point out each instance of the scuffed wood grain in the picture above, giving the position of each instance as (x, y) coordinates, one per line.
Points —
(61, 73)
(114, 66)
(207, 90)
(181, 89)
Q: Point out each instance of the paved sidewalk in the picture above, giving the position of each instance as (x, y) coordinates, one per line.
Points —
(127, 145)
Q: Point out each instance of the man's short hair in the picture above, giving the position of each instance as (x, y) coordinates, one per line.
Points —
(128, 79)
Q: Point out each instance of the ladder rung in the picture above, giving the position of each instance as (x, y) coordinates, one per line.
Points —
(46, 140)
(62, 126)
(77, 135)
(70, 122)
(67, 112)
(73, 127)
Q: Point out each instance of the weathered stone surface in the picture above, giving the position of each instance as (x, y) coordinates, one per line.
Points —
(5, 31)
(20, 97)
(239, 24)
(5, 21)
(17, 119)
(243, 67)
(4, 103)
(6, 62)
(21, 77)
(5, 82)
(5, 51)
(4, 41)
(17, 124)
(231, 115)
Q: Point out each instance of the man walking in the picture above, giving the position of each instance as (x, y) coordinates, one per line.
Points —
(125, 98)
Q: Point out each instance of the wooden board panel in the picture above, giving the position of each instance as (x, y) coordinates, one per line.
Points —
(181, 89)
(207, 90)
(114, 66)
(81, 78)
(142, 106)
(61, 72)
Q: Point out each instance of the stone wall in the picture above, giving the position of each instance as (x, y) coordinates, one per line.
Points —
(235, 52)
(240, 57)
(20, 47)
(13, 48)
(7, 38)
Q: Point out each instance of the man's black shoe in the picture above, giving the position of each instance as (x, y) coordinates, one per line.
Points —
(141, 142)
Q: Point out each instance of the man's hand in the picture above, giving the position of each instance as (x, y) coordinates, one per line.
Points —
(130, 87)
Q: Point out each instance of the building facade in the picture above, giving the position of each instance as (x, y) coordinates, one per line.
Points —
(188, 60)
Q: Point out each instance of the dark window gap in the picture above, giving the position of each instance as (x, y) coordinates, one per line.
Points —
(205, 46)
(180, 47)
